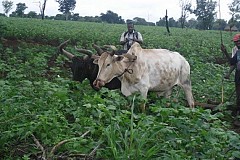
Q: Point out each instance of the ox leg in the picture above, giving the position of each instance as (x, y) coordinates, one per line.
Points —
(168, 93)
(143, 105)
(165, 94)
(188, 93)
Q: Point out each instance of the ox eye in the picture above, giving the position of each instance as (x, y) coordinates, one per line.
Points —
(108, 65)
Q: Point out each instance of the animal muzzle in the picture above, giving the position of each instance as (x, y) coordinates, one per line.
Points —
(98, 83)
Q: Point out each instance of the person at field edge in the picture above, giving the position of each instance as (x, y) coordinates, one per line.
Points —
(235, 64)
(130, 36)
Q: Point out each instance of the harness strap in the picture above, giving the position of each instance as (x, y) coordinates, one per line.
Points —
(130, 71)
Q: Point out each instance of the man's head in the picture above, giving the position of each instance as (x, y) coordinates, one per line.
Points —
(236, 40)
(130, 26)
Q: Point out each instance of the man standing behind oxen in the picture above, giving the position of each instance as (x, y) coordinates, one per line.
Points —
(235, 64)
(131, 36)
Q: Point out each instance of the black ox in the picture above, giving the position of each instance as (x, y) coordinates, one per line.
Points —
(84, 68)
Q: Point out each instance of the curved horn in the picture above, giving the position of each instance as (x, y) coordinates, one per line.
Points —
(84, 51)
(63, 51)
(114, 49)
(63, 45)
(98, 49)
(111, 47)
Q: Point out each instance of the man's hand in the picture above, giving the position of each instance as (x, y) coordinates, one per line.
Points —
(224, 50)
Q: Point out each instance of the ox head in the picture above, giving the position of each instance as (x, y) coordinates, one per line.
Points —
(111, 66)
(83, 67)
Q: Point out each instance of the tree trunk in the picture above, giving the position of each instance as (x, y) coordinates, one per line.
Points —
(166, 17)
(43, 9)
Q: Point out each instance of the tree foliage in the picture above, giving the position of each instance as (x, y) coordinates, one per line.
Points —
(140, 21)
(65, 6)
(20, 9)
(111, 17)
(234, 8)
(7, 6)
(32, 14)
(219, 24)
(205, 12)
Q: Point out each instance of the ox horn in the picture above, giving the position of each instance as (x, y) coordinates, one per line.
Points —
(63, 51)
(63, 45)
(114, 49)
(98, 49)
(111, 47)
(84, 51)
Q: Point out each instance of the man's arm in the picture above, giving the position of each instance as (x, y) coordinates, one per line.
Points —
(233, 60)
(224, 50)
(139, 39)
(122, 39)
(123, 42)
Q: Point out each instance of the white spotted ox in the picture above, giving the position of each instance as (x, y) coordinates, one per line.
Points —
(143, 70)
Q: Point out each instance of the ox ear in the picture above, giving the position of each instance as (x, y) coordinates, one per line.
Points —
(96, 58)
(130, 57)
(118, 58)
(95, 61)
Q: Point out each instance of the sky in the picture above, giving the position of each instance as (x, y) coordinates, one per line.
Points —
(150, 10)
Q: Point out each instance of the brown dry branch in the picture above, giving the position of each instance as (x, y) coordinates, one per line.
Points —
(84, 156)
(41, 147)
(65, 141)
(91, 154)
(206, 105)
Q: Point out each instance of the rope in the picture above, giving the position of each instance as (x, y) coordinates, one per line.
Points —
(130, 71)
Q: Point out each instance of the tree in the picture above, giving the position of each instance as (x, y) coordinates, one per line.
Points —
(32, 14)
(140, 21)
(234, 8)
(172, 22)
(192, 23)
(42, 8)
(161, 22)
(219, 24)
(205, 12)
(92, 19)
(60, 17)
(111, 17)
(65, 6)
(75, 17)
(185, 8)
(7, 6)
(20, 9)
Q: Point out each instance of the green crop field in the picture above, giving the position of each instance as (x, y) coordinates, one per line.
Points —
(44, 114)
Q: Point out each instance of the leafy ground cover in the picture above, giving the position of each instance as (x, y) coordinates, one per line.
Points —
(46, 115)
